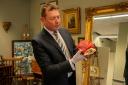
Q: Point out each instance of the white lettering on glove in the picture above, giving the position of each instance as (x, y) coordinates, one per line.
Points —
(78, 57)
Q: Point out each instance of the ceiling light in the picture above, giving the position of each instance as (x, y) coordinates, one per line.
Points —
(110, 16)
(105, 36)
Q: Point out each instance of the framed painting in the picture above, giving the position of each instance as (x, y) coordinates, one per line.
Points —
(71, 20)
(23, 48)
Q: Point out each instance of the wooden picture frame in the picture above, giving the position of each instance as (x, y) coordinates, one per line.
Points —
(71, 20)
(22, 48)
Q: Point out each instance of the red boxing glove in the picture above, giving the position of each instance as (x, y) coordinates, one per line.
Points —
(84, 45)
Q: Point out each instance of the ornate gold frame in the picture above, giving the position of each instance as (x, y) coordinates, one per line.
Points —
(71, 20)
(90, 12)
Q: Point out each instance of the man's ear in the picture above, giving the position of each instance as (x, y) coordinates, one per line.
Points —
(42, 19)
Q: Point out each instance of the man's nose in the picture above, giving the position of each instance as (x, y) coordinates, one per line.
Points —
(57, 19)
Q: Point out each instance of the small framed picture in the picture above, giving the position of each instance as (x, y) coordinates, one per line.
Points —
(71, 20)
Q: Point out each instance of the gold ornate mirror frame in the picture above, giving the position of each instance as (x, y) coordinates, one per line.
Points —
(90, 13)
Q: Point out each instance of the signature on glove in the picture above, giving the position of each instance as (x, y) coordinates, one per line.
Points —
(90, 51)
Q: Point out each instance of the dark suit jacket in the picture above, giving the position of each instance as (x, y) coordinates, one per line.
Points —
(126, 65)
(51, 59)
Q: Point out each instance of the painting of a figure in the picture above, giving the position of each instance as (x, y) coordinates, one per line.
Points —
(71, 21)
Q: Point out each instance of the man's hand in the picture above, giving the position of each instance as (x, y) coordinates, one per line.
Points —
(78, 57)
(85, 48)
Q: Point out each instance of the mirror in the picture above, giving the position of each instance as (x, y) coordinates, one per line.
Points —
(110, 37)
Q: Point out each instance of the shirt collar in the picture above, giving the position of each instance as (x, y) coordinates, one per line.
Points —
(49, 31)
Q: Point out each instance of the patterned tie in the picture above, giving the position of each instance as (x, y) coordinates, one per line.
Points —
(64, 49)
(61, 43)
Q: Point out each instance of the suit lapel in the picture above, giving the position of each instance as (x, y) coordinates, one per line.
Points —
(51, 40)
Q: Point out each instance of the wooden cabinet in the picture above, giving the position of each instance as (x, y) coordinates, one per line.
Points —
(6, 73)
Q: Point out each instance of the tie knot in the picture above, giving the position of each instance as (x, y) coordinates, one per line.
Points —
(55, 34)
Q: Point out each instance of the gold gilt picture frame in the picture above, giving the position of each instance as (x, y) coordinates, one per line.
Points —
(71, 20)
(90, 13)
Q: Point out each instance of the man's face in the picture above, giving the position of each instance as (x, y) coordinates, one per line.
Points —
(52, 20)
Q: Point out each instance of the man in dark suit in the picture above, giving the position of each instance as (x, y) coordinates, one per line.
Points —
(57, 65)
(126, 68)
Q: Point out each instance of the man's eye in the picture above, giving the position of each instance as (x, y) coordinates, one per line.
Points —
(53, 18)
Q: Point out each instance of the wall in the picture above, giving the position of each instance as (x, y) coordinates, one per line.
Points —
(103, 58)
(106, 58)
(120, 52)
(35, 17)
(110, 70)
(17, 12)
